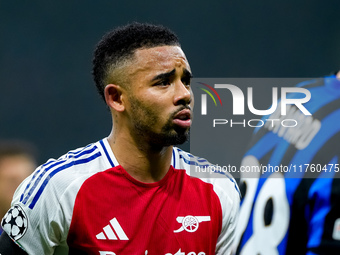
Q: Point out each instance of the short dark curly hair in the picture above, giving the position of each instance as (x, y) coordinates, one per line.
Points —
(119, 45)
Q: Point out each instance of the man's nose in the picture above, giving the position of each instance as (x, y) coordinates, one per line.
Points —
(182, 94)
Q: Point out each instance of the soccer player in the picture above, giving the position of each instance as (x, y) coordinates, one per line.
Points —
(294, 209)
(17, 161)
(129, 193)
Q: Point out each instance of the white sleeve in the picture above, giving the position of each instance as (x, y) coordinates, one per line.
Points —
(228, 193)
(27, 225)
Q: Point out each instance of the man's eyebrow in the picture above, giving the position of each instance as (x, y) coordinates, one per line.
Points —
(163, 76)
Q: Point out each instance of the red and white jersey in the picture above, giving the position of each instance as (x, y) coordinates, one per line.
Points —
(86, 203)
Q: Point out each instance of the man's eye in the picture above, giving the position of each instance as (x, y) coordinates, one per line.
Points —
(186, 81)
(162, 83)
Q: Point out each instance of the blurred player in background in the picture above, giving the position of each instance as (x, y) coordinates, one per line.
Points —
(129, 193)
(297, 211)
(17, 161)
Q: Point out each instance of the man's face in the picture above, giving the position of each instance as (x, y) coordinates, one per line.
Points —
(159, 96)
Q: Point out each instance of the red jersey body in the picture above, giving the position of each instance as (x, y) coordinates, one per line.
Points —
(177, 213)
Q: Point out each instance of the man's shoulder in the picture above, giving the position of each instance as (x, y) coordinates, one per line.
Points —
(222, 181)
(56, 176)
(80, 161)
(198, 166)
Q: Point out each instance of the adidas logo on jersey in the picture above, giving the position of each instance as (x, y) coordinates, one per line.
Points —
(112, 231)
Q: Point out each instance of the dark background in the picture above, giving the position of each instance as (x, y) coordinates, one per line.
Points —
(46, 91)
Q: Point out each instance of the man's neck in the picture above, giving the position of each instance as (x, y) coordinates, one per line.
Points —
(144, 163)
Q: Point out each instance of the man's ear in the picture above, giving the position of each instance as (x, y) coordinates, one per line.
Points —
(113, 97)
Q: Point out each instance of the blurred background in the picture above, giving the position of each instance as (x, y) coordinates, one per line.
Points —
(47, 95)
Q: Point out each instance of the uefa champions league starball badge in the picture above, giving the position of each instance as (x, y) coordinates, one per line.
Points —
(15, 222)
